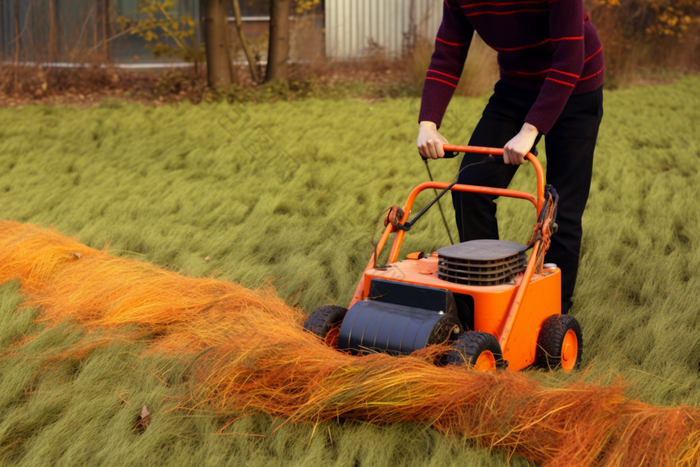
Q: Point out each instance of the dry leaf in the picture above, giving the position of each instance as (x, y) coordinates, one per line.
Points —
(144, 419)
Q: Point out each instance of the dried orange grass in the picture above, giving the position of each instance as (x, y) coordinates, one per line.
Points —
(250, 354)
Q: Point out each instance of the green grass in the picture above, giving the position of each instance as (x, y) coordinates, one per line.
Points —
(292, 193)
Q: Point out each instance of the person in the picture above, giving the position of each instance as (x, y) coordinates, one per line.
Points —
(551, 77)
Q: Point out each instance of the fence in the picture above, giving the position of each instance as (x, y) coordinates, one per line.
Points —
(75, 30)
(79, 30)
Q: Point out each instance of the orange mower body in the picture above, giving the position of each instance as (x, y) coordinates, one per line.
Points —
(499, 307)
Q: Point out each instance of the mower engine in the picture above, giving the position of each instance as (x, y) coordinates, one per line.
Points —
(400, 317)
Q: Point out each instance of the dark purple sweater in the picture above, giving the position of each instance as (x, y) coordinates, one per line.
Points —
(549, 46)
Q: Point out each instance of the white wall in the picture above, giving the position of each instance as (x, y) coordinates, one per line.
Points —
(352, 26)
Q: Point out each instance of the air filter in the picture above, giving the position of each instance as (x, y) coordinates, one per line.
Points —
(481, 262)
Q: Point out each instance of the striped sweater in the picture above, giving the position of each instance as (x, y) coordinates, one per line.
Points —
(545, 45)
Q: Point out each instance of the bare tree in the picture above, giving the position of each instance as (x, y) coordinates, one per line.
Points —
(54, 31)
(278, 49)
(216, 43)
(106, 29)
(244, 42)
(16, 12)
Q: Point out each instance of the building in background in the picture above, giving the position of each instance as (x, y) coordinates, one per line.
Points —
(355, 28)
(78, 31)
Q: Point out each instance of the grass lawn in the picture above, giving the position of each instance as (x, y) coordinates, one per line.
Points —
(293, 193)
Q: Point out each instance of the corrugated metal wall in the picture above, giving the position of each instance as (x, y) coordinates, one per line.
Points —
(355, 28)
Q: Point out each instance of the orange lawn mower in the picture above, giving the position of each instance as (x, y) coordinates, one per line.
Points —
(497, 307)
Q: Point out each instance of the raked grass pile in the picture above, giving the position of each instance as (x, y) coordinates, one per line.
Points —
(291, 193)
(248, 354)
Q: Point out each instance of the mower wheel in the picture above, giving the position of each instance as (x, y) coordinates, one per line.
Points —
(325, 323)
(479, 349)
(560, 343)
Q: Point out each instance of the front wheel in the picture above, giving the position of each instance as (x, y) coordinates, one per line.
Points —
(325, 323)
(478, 349)
(560, 343)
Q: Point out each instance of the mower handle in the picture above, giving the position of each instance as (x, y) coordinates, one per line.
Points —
(452, 150)
(537, 199)
(499, 152)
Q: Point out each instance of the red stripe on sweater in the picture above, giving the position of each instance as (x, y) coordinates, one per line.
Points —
(573, 38)
(560, 82)
(594, 74)
(500, 4)
(546, 71)
(453, 43)
(441, 73)
(450, 6)
(594, 54)
(565, 73)
(501, 13)
(440, 80)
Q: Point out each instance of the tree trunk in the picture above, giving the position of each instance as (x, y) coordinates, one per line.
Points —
(95, 26)
(16, 12)
(54, 31)
(244, 42)
(215, 40)
(278, 50)
(229, 51)
(106, 30)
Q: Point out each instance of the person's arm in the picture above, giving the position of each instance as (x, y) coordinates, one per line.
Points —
(566, 26)
(446, 65)
(516, 149)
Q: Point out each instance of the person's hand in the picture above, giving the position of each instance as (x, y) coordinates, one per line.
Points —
(516, 149)
(430, 141)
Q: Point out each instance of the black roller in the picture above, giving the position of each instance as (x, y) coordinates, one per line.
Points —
(372, 325)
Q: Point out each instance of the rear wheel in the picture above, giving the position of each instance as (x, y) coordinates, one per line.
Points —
(325, 323)
(560, 343)
(478, 349)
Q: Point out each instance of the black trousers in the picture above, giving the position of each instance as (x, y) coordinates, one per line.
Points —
(570, 145)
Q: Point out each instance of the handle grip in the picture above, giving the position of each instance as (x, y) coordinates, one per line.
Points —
(453, 151)
(482, 150)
